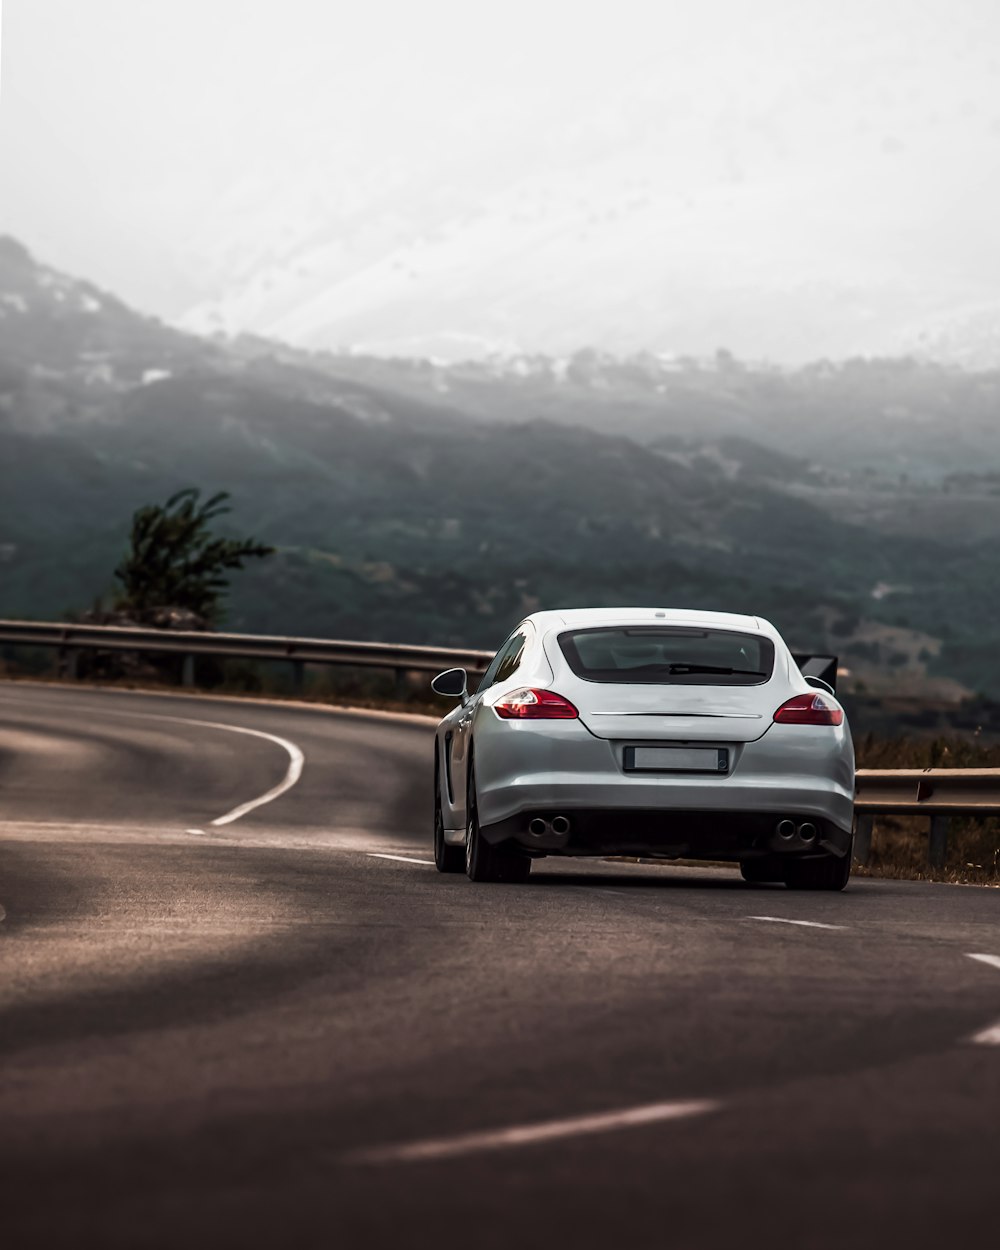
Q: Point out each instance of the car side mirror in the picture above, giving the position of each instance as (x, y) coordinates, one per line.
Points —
(453, 683)
(819, 684)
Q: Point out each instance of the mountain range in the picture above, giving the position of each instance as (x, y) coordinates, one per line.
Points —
(855, 504)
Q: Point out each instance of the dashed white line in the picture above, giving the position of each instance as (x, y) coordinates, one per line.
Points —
(808, 924)
(992, 960)
(198, 833)
(531, 1134)
(402, 859)
(990, 1036)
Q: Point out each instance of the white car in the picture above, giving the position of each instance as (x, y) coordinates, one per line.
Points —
(650, 732)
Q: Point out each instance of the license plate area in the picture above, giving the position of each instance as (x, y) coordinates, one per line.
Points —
(677, 760)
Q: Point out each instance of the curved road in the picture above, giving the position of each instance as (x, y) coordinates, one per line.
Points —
(287, 1029)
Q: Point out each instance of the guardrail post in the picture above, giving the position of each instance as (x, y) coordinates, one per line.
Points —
(863, 838)
(187, 670)
(69, 659)
(937, 847)
(298, 675)
(402, 685)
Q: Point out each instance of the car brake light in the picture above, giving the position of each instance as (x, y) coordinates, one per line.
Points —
(529, 704)
(809, 709)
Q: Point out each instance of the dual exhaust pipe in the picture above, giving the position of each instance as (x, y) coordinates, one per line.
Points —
(787, 829)
(539, 828)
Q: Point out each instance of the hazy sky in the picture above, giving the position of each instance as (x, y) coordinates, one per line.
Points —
(155, 145)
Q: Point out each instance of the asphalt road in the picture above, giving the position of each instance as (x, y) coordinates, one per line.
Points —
(263, 1032)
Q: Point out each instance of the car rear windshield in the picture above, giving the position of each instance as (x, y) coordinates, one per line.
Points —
(661, 655)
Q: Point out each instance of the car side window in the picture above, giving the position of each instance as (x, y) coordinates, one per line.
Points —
(491, 671)
(504, 663)
(512, 656)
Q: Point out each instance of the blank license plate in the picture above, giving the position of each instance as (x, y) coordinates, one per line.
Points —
(676, 759)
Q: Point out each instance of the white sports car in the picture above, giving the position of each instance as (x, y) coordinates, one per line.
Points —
(644, 731)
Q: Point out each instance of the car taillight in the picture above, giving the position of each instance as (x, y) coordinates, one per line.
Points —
(809, 709)
(535, 705)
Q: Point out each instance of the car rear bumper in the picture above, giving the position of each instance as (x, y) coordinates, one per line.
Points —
(671, 833)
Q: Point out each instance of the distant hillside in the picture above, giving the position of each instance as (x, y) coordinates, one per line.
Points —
(877, 417)
(414, 503)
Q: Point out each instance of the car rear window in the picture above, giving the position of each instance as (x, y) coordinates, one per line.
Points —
(662, 655)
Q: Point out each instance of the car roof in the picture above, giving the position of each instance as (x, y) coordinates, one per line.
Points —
(582, 618)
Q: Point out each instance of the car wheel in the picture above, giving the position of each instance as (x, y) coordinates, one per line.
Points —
(446, 858)
(827, 873)
(484, 862)
(762, 872)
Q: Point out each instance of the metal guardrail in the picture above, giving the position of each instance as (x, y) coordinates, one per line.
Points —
(70, 640)
(938, 793)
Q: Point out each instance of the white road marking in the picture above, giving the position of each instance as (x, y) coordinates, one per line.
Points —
(530, 1134)
(402, 859)
(198, 833)
(992, 960)
(990, 1036)
(295, 757)
(808, 924)
(596, 889)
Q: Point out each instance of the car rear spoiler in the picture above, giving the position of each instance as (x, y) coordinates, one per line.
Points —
(822, 666)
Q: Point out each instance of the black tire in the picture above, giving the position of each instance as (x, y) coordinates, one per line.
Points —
(827, 873)
(762, 872)
(446, 858)
(484, 862)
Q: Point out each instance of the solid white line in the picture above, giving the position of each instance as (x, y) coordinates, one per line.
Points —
(530, 1134)
(808, 924)
(296, 759)
(295, 765)
(992, 960)
(403, 859)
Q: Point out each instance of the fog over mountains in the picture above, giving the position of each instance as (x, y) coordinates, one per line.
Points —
(788, 180)
(818, 218)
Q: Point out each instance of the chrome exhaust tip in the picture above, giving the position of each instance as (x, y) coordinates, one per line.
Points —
(807, 831)
(560, 825)
(537, 827)
(785, 829)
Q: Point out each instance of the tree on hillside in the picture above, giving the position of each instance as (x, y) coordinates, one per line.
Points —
(174, 561)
